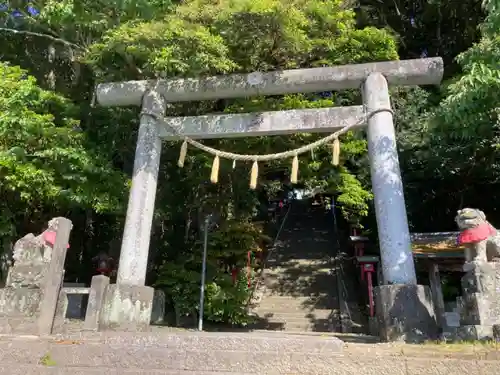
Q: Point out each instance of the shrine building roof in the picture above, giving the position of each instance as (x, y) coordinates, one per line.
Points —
(436, 245)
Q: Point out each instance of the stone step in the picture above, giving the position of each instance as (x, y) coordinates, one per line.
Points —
(300, 283)
(287, 298)
(298, 264)
(283, 307)
(298, 289)
(316, 320)
(305, 326)
(304, 294)
(298, 320)
(317, 314)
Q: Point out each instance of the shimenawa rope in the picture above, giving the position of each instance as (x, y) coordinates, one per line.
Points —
(259, 158)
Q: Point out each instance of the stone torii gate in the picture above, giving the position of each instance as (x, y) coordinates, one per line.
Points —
(129, 300)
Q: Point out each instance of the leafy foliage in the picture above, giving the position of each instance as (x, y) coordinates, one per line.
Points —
(44, 157)
(458, 141)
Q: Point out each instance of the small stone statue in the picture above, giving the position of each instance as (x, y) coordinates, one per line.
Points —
(31, 250)
(481, 239)
(31, 258)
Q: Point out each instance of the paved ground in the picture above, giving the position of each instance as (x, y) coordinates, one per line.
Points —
(163, 352)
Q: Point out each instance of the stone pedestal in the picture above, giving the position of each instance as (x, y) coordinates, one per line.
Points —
(158, 311)
(28, 301)
(405, 312)
(97, 294)
(22, 302)
(480, 303)
(373, 326)
(126, 308)
(496, 332)
(23, 292)
(27, 276)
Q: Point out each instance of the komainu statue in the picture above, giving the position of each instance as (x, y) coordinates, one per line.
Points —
(481, 239)
(31, 258)
(35, 250)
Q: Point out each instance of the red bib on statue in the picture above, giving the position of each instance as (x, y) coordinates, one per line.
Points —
(50, 237)
(477, 234)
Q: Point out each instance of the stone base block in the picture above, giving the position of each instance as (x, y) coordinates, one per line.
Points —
(98, 289)
(481, 277)
(126, 308)
(27, 276)
(373, 326)
(481, 290)
(475, 332)
(405, 312)
(479, 309)
(20, 302)
(158, 312)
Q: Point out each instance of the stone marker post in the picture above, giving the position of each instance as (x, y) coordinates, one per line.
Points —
(98, 289)
(54, 278)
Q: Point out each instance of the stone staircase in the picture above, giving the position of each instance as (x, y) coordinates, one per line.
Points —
(299, 291)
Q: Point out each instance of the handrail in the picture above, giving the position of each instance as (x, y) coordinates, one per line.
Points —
(340, 268)
(260, 277)
(344, 288)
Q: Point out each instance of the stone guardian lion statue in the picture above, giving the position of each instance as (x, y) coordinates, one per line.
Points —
(481, 239)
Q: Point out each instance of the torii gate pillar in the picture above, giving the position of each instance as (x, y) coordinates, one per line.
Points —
(387, 186)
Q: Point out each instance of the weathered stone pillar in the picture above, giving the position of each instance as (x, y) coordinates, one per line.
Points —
(404, 310)
(137, 232)
(98, 288)
(127, 305)
(390, 209)
(437, 294)
(54, 277)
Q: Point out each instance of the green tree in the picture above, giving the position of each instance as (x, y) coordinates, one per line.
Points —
(454, 147)
(46, 162)
(427, 27)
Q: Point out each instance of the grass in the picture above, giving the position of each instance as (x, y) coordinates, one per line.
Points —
(47, 360)
(461, 344)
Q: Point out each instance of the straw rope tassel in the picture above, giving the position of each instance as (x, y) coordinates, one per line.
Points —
(253, 175)
(336, 152)
(295, 170)
(182, 154)
(214, 177)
